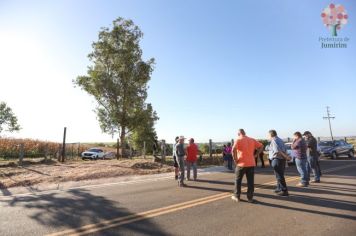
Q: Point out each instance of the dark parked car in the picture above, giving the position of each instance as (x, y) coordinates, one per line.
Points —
(336, 148)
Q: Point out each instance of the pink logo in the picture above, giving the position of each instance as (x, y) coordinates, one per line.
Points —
(334, 18)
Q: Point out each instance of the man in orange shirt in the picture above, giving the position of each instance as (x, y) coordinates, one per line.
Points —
(244, 157)
(191, 161)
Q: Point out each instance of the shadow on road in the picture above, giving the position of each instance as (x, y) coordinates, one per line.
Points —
(208, 188)
(312, 201)
(342, 177)
(76, 208)
(328, 196)
(332, 188)
(329, 190)
(338, 183)
(216, 181)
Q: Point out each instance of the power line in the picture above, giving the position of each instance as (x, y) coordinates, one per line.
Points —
(328, 117)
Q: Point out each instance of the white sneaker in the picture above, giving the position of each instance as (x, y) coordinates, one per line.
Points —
(234, 198)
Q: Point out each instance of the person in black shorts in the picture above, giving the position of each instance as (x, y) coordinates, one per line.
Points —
(176, 169)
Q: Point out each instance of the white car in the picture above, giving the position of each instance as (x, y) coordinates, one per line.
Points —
(93, 154)
(290, 152)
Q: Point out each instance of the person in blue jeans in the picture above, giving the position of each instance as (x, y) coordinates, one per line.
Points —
(300, 148)
(228, 155)
(313, 156)
(278, 163)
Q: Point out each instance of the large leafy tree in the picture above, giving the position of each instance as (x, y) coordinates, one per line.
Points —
(118, 78)
(8, 119)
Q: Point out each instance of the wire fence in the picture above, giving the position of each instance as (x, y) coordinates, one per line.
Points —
(20, 149)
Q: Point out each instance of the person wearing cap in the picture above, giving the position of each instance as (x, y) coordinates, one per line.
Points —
(180, 153)
(313, 156)
(191, 161)
(176, 169)
(243, 154)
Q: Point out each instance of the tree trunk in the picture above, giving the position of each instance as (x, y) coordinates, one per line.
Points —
(118, 149)
(122, 141)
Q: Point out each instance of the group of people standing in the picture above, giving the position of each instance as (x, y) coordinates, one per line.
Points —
(179, 154)
(228, 159)
(306, 159)
(245, 151)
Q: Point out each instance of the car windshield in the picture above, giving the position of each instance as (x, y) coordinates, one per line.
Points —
(94, 150)
(326, 144)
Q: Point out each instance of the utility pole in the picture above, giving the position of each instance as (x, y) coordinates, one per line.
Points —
(64, 145)
(210, 148)
(328, 117)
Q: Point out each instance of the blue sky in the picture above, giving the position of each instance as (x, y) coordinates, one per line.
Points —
(220, 66)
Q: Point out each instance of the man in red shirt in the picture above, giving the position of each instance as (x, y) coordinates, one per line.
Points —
(244, 157)
(191, 161)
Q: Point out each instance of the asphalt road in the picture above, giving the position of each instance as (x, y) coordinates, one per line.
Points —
(159, 207)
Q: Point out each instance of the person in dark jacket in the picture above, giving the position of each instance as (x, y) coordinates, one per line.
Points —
(300, 148)
(313, 157)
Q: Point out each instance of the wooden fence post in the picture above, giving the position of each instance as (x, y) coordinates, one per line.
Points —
(131, 152)
(144, 149)
(59, 152)
(64, 144)
(46, 152)
(78, 150)
(163, 150)
(22, 153)
(118, 149)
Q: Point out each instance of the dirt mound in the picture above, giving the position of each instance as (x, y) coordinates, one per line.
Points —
(56, 172)
(147, 165)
